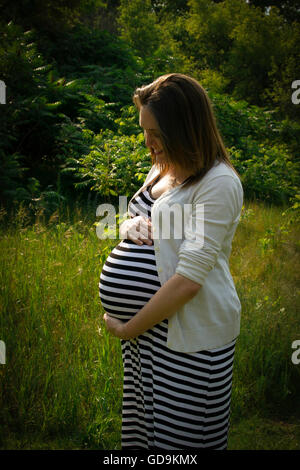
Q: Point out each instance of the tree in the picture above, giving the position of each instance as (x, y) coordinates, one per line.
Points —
(47, 16)
(138, 26)
(169, 7)
(243, 50)
(256, 45)
(289, 9)
(210, 26)
(284, 71)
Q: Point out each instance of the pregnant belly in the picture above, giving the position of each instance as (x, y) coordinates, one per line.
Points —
(128, 279)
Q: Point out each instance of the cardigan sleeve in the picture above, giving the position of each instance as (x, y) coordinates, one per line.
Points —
(215, 209)
(151, 173)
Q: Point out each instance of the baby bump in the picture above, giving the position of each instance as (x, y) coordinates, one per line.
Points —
(128, 279)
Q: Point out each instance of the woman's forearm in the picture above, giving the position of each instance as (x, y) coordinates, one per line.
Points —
(176, 292)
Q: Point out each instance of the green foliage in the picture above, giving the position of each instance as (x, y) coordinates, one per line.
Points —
(268, 173)
(27, 119)
(289, 9)
(83, 46)
(115, 164)
(44, 112)
(51, 17)
(284, 71)
(11, 172)
(142, 24)
(267, 162)
(255, 53)
(256, 42)
(209, 26)
(139, 27)
(213, 81)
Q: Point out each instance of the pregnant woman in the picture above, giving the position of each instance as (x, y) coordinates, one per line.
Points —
(166, 288)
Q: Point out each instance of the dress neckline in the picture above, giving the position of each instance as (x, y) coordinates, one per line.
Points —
(149, 188)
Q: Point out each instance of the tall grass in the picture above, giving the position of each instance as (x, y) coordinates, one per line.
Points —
(265, 265)
(63, 371)
(62, 381)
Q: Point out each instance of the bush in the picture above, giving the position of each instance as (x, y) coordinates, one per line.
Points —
(115, 165)
(45, 112)
(268, 173)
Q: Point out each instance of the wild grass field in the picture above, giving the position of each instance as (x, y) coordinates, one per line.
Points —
(61, 386)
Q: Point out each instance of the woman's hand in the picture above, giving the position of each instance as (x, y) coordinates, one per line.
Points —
(138, 229)
(115, 327)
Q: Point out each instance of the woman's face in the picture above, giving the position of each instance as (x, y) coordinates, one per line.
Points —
(151, 133)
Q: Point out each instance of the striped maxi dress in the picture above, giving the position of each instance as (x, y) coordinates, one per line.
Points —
(171, 400)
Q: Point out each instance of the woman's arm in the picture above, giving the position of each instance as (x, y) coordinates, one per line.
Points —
(176, 292)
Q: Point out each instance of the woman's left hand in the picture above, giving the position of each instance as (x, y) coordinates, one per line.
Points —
(115, 327)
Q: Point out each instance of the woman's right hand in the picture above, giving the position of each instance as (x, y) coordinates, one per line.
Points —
(138, 229)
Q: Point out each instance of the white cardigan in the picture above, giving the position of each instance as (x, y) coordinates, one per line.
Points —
(212, 318)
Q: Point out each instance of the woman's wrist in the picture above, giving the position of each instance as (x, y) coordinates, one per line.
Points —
(124, 332)
(116, 327)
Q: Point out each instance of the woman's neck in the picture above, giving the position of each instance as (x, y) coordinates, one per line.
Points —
(178, 176)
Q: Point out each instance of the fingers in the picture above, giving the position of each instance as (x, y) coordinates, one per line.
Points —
(145, 232)
(141, 231)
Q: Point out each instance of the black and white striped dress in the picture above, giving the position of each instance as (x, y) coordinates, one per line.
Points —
(171, 400)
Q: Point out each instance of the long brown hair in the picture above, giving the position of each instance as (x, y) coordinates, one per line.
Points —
(187, 124)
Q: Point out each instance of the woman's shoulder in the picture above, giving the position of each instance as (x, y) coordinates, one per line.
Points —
(220, 181)
(221, 168)
(221, 171)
